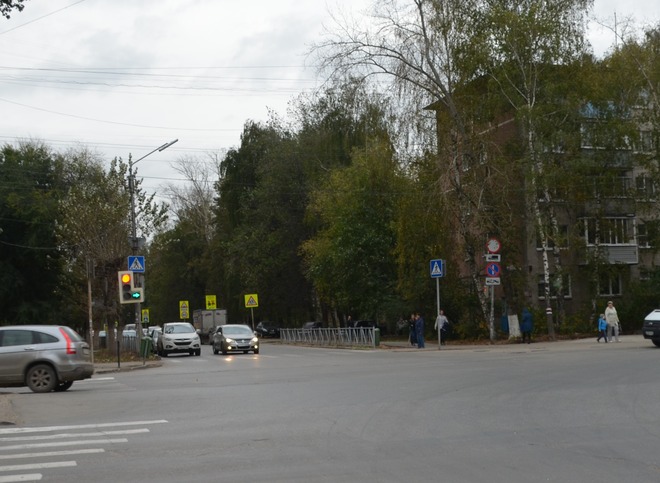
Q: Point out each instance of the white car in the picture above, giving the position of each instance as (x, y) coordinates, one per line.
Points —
(179, 337)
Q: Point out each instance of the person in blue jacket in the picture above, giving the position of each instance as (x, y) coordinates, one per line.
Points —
(526, 325)
(602, 328)
(419, 330)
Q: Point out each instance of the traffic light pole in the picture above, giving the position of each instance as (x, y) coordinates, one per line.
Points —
(134, 238)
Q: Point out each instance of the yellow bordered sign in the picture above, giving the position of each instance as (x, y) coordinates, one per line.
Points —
(251, 300)
(211, 302)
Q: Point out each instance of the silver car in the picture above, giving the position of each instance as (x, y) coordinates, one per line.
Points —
(179, 337)
(43, 357)
(235, 338)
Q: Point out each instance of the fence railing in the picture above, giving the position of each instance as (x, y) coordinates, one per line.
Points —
(332, 337)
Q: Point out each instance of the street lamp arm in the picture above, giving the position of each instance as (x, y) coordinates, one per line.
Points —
(161, 148)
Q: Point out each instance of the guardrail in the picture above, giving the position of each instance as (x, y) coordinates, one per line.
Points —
(332, 337)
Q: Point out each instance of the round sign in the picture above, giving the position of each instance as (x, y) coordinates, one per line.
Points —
(493, 245)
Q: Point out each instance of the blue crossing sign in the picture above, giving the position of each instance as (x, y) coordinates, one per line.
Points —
(136, 264)
(437, 268)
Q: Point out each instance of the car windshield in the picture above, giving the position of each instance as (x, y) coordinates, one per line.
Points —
(179, 329)
(234, 331)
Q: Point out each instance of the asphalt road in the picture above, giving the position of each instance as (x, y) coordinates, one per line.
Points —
(561, 412)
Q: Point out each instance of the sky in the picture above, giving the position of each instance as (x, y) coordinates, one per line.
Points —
(124, 77)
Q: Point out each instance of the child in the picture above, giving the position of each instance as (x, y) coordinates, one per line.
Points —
(602, 328)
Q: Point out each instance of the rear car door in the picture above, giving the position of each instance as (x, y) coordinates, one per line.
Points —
(18, 348)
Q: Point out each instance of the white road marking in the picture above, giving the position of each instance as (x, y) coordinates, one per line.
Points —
(74, 435)
(18, 478)
(96, 379)
(51, 453)
(64, 443)
(38, 466)
(79, 426)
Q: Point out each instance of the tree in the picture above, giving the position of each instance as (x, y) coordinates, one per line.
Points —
(33, 282)
(6, 6)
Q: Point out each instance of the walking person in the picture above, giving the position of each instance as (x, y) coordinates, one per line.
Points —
(612, 319)
(527, 325)
(419, 330)
(441, 323)
(602, 328)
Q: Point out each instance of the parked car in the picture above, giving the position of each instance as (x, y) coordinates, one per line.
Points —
(267, 329)
(235, 338)
(651, 328)
(179, 337)
(43, 357)
(312, 325)
(154, 334)
(130, 330)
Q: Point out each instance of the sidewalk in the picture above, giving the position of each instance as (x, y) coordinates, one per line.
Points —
(626, 342)
(106, 367)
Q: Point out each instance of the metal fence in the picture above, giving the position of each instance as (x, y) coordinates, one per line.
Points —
(332, 337)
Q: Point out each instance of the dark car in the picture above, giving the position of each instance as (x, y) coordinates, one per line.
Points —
(651, 328)
(267, 329)
(43, 357)
(235, 338)
(311, 325)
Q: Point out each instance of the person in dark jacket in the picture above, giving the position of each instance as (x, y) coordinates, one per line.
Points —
(412, 336)
(526, 325)
(419, 330)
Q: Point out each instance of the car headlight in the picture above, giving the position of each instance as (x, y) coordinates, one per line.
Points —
(230, 341)
(255, 340)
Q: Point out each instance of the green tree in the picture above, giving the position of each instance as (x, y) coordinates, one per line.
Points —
(6, 6)
(33, 283)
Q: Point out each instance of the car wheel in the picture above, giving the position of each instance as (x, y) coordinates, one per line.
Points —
(256, 351)
(63, 386)
(223, 350)
(41, 378)
(656, 342)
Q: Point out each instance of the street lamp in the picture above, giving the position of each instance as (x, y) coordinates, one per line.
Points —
(134, 239)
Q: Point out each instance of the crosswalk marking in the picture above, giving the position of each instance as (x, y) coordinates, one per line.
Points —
(38, 466)
(29, 440)
(48, 454)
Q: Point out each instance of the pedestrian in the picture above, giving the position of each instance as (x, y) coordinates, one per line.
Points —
(412, 336)
(527, 325)
(419, 330)
(612, 321)
(602, 328)
(441, 324)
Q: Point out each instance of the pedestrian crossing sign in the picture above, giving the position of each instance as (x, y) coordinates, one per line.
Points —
(437, 268)
(136, 264)
(251, 300)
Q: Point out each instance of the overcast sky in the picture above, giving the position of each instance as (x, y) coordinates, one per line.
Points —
(126, 76)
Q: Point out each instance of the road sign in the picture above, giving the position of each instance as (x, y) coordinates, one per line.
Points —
(437, 268)
(251, 300)
(184, 309)
(493, 245)
(493, 257)
(211, 302)
(492, 281)
(136, 264)
(145, 316)
(493, 269)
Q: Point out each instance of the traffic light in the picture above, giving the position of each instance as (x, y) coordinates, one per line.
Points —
(128, 292)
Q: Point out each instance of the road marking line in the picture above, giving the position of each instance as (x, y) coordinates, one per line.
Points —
(17, 478)
(63, 443)
(51, 453)
(38, 466)
(74, 435)
(96, 379)
(79, 426)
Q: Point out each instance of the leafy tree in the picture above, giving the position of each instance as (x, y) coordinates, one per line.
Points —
(32, 278)
(6, 6)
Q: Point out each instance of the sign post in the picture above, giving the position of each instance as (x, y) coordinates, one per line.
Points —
(251, 301)
(493, 246)
(437, 268)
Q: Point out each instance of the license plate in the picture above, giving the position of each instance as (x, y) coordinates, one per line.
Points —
(649, 332)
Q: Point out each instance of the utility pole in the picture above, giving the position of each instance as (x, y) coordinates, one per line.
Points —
(135, 242)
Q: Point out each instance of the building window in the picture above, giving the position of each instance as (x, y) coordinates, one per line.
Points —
(609, 284)
(561, 242)
(645, 142)
(554, 286)
(647, 233)
(645, 187)
(609, 231)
